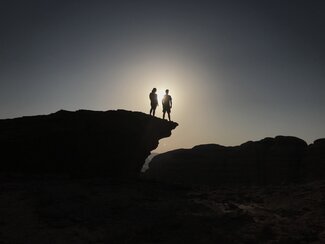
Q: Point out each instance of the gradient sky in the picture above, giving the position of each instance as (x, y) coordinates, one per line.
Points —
(237, 70)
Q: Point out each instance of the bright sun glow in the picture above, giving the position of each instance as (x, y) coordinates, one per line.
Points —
(160, 94)
(162, 70)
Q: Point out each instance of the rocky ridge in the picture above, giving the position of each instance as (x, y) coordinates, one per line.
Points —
(283, 159)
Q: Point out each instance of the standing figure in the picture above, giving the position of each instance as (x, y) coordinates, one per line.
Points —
(153, 101)
(167, 104)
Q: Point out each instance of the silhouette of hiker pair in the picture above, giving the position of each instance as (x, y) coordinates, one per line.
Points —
(166, 103)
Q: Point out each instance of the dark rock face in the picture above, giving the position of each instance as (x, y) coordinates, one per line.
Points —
(112, 143)
(314, 161)
(276, 160)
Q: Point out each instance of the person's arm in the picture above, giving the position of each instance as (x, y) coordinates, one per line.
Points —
(171, 103)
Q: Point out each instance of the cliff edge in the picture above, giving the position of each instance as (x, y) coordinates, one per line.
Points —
(114, 143)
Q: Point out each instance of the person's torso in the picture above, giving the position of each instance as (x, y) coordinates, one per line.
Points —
(166, 100)
(153, 97)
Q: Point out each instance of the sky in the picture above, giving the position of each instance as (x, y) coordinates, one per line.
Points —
(236, 70)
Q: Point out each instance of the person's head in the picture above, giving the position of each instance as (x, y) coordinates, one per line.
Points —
(154, 90)
(167, 91)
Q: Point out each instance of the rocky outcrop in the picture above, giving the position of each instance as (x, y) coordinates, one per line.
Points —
(313, 164)
(114, 143)
(276, 160)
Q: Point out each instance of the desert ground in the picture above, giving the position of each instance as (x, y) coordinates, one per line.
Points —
(47, 209)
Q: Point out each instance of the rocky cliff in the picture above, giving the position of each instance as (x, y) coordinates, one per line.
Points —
(276, 160)
(112, 143)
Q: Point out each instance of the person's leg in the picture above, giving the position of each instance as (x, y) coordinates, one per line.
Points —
(150, 111)
(164, 114)
(168, 115)
(154, 112)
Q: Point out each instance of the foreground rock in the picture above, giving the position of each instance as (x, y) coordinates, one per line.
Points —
(269, 161)
(101, 210)
(83, 142)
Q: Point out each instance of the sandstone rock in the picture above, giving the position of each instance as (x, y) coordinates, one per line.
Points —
(268, 161)
(112, 143)
(313, 163)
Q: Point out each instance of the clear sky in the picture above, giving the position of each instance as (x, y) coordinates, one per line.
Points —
(237, 70)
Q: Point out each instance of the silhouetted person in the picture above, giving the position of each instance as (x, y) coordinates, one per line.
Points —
(153, 101)
(167, 104)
